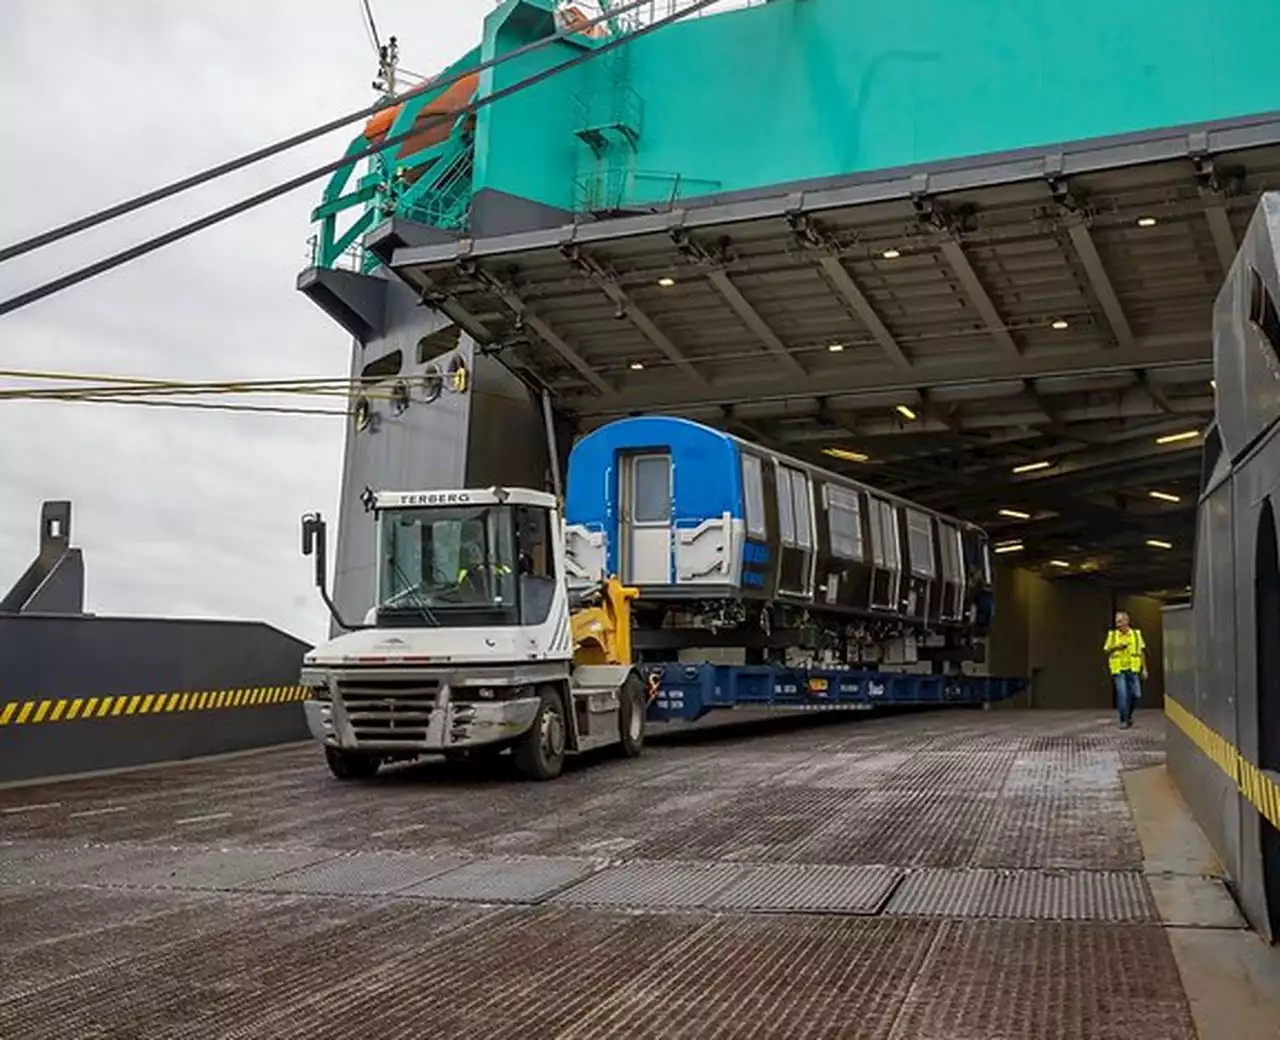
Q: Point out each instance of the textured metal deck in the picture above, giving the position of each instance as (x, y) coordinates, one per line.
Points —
(956, 875)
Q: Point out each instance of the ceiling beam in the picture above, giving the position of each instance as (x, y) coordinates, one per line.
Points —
(1087, 251)
(732, 295)
(847, 289)
(954, 253)
(1215, 186)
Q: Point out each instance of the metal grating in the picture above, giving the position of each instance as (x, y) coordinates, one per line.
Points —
(655, 885)
(512, 881)
(798, 887)
(358, 874)
(1078, 896)
(1041, 981)
(215, 869)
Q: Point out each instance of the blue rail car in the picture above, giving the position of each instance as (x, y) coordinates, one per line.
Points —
(687, 692)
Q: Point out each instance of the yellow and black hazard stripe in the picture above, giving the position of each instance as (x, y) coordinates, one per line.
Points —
(68, 709)
(1261, 791)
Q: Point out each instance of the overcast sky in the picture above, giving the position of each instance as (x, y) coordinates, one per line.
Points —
(180, 513)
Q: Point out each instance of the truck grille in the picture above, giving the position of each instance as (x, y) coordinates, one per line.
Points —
(389, 711)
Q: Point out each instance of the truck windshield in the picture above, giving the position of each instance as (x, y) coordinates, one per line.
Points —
(448, 565)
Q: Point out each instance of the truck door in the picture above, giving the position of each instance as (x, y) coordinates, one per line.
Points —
(645, 515)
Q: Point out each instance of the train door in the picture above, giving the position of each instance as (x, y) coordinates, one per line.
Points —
(645, 519)
(951, 559)
(921, 568)
(796, 530)
(886, 556)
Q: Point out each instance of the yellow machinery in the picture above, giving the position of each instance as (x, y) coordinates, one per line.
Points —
(602, 630)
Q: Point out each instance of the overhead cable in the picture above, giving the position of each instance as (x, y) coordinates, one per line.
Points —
(249, 158)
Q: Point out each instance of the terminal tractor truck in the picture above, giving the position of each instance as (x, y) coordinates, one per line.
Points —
(476, 642)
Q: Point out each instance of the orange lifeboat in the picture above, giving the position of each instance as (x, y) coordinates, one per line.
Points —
(454, 98)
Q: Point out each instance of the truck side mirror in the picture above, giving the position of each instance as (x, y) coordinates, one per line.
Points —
(313, 544)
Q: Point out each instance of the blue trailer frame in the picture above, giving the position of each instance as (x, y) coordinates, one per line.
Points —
(688, 692)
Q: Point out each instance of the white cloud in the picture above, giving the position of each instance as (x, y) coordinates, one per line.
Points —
(180, 513)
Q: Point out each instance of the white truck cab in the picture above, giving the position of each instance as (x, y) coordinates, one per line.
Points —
(470, 644)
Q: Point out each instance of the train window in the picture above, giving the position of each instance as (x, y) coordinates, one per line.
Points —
(753, 495)
(844, 518)
(884, 535)
(804, 517)
(651, 489)
(949, 545)
(920, 543)
(786, 508)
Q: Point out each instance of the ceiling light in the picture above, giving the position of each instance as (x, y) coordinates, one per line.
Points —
(1011, 547)
(1170, 438)
(1164, 496)
(906, 412)
(636, 366)
(842, 453)
(1213, 384)
(666, 283)
(1059, 563)
(891, 254)
(835, 348)
(1014, 514)
(1031, 467)
(1061, 324)
(1146, 222)
(1156, 543)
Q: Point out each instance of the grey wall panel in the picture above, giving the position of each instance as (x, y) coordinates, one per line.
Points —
(48, 657)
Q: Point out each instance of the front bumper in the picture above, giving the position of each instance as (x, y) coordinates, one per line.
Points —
(415, 714)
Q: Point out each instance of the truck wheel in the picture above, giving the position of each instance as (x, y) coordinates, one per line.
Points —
(350, 765)
(539, 755)
(631, 709)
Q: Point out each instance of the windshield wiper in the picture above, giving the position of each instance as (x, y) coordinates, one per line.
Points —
(419, 602)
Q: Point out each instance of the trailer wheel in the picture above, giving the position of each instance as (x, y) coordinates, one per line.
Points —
(350, 765)
(539, 754)
(631, 710)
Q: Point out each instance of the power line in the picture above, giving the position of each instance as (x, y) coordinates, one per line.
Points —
(235, 209)
(210, 406)
(372, 28)
(249, 158)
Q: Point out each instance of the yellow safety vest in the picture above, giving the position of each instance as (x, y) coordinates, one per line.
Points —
(1129, 646)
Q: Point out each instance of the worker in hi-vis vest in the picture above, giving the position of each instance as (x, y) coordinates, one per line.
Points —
(1126, 652)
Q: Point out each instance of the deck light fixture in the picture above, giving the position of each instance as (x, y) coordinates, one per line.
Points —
(835, 348)
(1014, 514)
(637, 366)
(1172, 438)
(891, 254)
(1061, 324)
(1164, 496)
(666, 282)
(845, 454)
(1146, 222)
(906, 412)
(1157, 543)
(1031, 467)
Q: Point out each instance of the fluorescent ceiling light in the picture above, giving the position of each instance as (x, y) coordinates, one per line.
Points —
(1061, 324)
(636, 366)
(848, 456)
(1146, 222)
(1014, 514)
(666, 283)
(1156, 543)
(891, 254)
(1011, 547)
(835, 348)
(1170, 438)
(1164, 496)
(1059, 563)
(906, 412)
(1031, 467)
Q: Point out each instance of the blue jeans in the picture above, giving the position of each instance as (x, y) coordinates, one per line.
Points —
(1128, 693)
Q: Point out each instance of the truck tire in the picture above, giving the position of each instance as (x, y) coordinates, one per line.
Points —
(631, 711)
(351, 765)
(539, 754)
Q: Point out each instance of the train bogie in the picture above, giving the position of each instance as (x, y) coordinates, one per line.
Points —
(718, 533)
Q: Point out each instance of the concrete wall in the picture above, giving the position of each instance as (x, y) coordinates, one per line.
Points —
(1054, 631)
(87, 693)
(805, 89)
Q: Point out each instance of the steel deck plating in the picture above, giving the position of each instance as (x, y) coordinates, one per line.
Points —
(956, 874)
